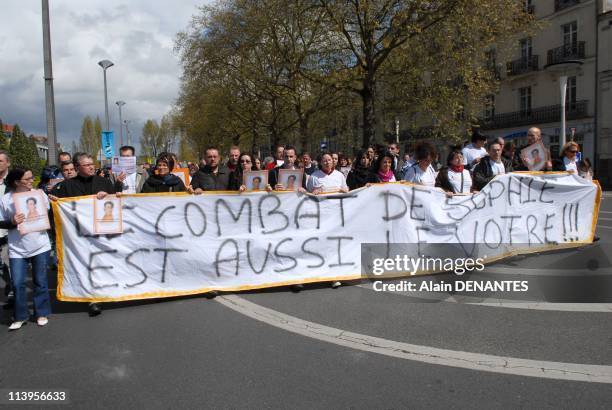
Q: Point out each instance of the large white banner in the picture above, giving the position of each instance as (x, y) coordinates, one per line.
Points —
(178, 244)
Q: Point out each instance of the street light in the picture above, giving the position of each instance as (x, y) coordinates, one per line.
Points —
(106, 64)
(49, 94)
(127, 132)
(562, 69)
(120, 104)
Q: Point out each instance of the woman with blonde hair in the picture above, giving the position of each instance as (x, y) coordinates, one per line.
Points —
(568, 160)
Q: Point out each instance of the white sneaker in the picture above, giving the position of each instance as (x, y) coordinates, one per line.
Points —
(336, 284)
(42, 321)
(16, 325)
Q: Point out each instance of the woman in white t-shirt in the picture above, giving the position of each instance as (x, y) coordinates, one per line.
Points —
(31, 248)
(422, 172)
(454, 178)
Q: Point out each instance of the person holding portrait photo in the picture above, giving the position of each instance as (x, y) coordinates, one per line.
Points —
(31, 248)
(290, 163)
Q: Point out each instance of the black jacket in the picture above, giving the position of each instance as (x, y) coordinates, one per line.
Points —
(483, 173)
(80, 186)
(206, 180)
(169, 183)
(357, 178)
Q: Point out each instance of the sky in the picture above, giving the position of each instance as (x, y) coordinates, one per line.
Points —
(136, 35)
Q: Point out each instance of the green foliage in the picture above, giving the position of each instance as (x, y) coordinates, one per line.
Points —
(256, 72)
(90, 140)
(23, 151)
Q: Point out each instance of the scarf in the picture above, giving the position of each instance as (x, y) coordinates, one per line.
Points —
(385, 176)
(458, 168)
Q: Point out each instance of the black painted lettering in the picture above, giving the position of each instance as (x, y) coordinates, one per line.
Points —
(202, 230)
(486, 231)
(128, 260)
(284, 256)
(91, 269)
(250, 260)
(510, 218)
(236, 217)
(159, 217)
(166, 251)
(233, 258)
(339, 239)
(273, 211)
(530, 228)
(315, 254)
(298, 216)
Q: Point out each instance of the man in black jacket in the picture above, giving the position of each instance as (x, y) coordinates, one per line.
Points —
(289, 162)
(212, 177)
(85, 183)
(491, 165)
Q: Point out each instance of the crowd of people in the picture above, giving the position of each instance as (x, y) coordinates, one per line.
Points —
(467, 170)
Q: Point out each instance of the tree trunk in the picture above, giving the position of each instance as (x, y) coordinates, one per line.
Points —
(304, 137)
(369, 114)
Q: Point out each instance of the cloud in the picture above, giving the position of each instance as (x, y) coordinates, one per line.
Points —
(137, 35)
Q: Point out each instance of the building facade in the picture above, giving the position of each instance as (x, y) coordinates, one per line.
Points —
(575, 35)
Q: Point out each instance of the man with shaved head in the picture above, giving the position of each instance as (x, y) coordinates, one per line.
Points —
(534, 134)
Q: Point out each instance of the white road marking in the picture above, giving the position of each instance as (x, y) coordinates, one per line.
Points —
(604, 227)
(504, 303)
(544, 271)
(425, 354)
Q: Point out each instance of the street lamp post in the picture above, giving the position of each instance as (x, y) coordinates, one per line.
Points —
(49, 95)
(105, 64)
(127, 132)
(120, 104)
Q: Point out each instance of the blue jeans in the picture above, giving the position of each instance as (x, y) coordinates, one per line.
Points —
(19, 271)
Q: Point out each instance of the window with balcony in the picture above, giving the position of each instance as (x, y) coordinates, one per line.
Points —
(525, 101)
(572, 49)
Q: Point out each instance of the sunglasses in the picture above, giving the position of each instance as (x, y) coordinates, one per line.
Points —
(573, 151)
(245, 161)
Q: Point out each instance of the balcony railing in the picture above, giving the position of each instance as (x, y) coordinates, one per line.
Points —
(541, 115)
(563, 4)
(522, 65)
(567, 52)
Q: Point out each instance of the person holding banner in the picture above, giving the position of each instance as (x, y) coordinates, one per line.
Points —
(358, 176)
(422, 172)
(85, 183)
(490, 166)
(32, 248)
(382, 171)
(454, 178)
(245, 164)
(326, 179)
(289, 162)
(568, 158)
(534, 135)
(162, 180)
(213, 177)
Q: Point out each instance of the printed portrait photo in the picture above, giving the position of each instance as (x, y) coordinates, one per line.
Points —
(34, 206)
(290, 179)
(255, 180)
(107, 214)
(535, 156)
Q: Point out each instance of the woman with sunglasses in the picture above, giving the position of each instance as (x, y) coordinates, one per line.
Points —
(245, 164)
(568, 160)
(32, 248)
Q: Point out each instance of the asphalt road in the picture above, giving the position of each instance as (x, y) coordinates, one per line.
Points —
(325, 348)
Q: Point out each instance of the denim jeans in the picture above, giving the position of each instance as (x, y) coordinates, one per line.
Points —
(19, 271)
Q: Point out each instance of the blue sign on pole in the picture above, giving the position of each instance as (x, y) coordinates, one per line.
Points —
(108, 144)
